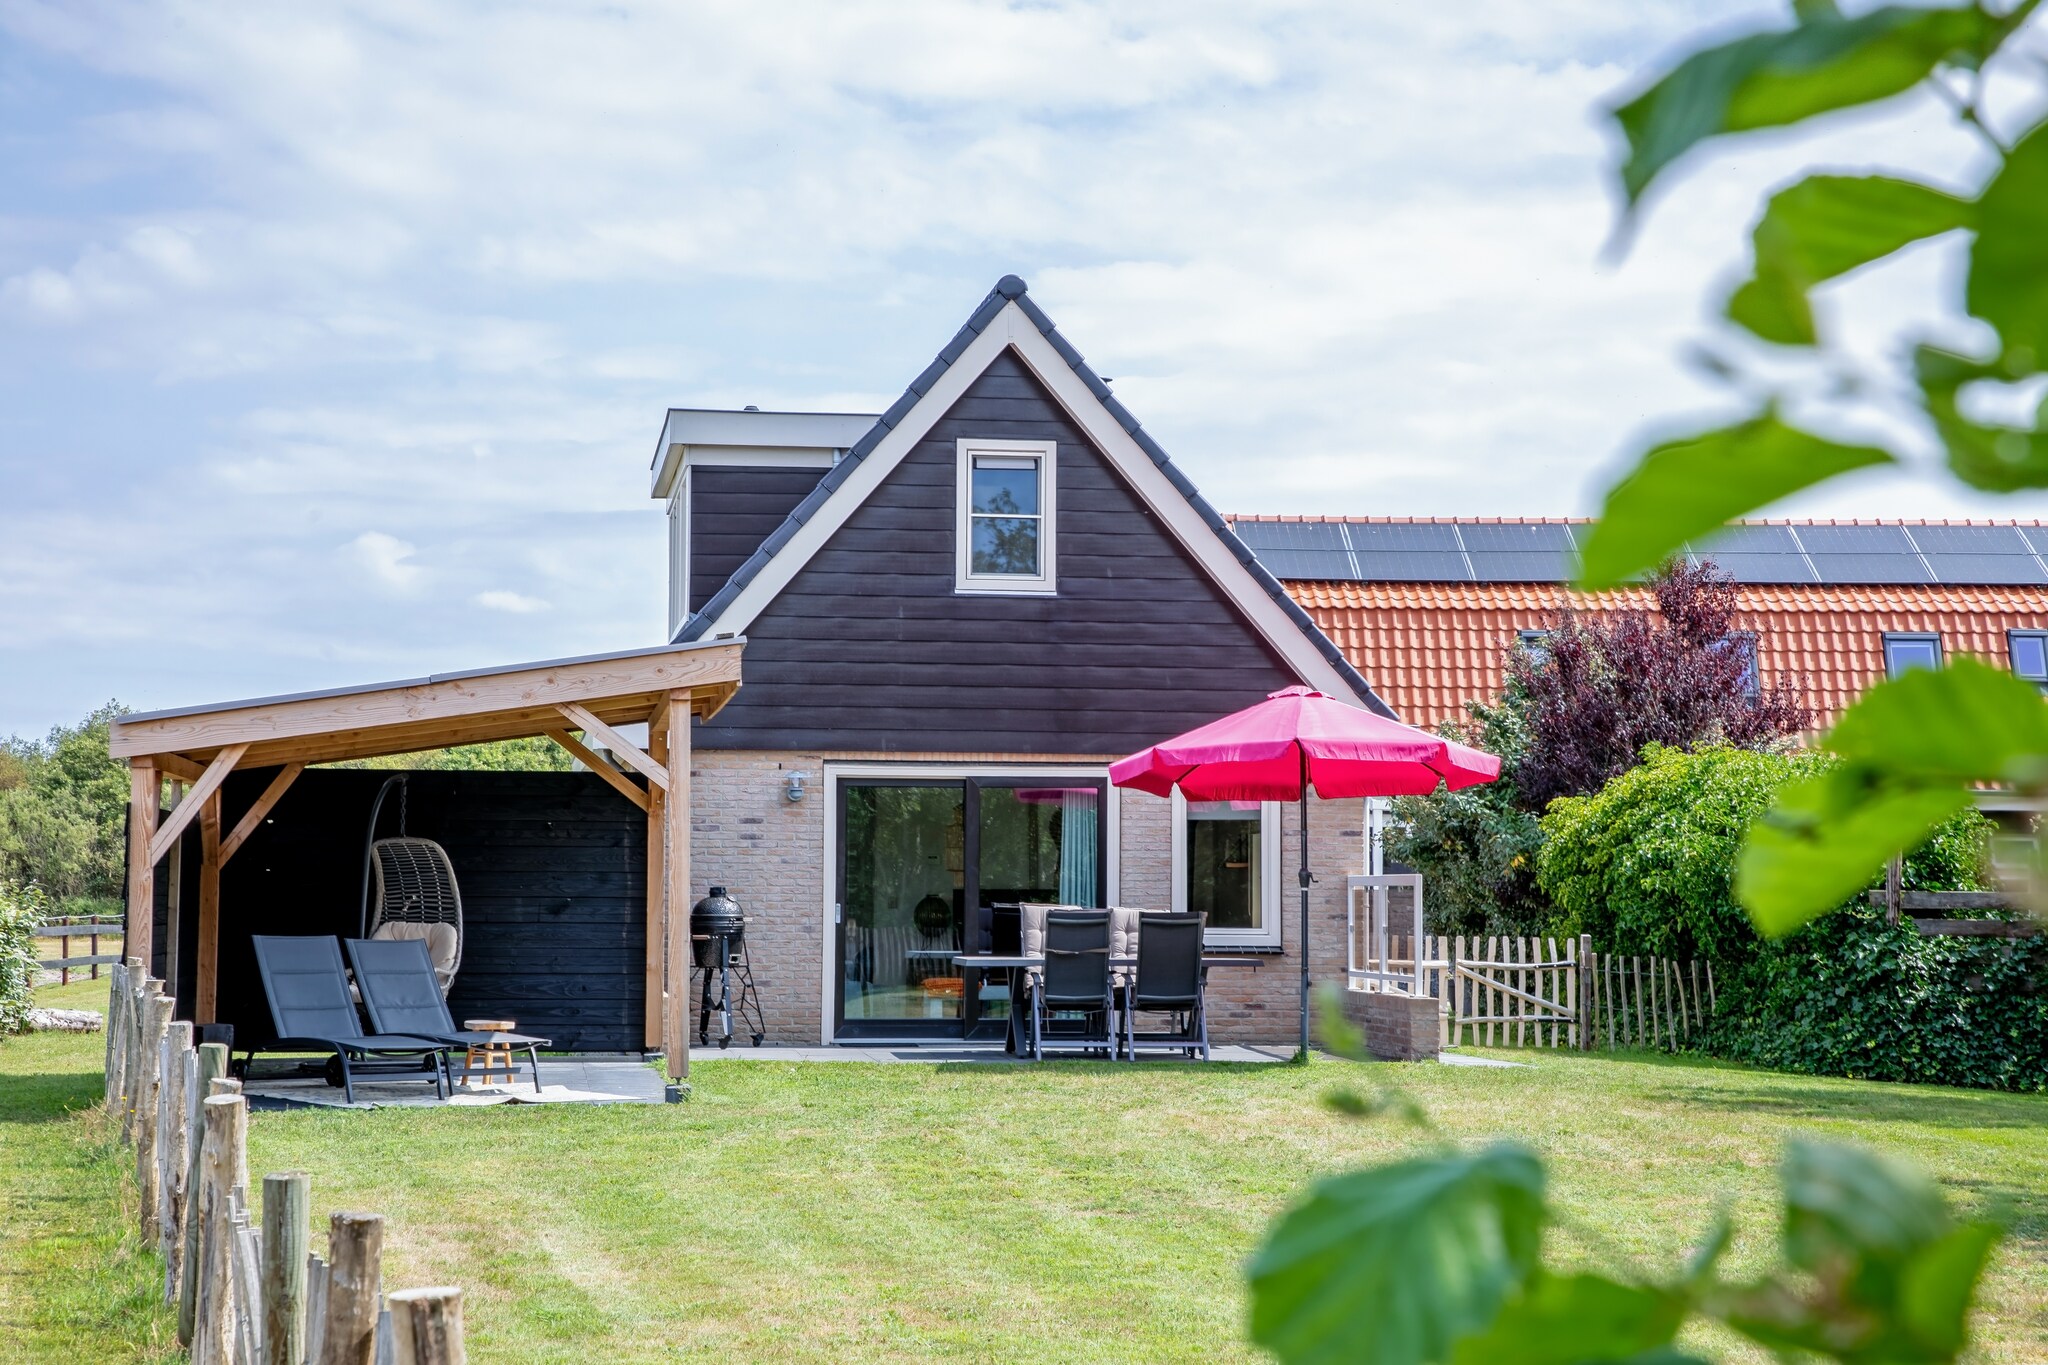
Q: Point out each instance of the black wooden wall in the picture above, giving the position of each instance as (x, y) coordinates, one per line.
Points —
(732, 510)
(869, 647)
(553, 871)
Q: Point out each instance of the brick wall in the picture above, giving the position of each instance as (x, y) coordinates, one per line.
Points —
(771, 852)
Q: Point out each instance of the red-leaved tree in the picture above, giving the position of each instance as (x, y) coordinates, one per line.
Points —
(1599, 689)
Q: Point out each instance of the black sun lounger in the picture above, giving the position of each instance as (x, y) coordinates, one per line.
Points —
(396, 977)
(311, 1011)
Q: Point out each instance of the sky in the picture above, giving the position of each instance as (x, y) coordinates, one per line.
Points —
(334, 340)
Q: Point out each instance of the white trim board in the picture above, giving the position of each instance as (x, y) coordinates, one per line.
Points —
(1013, 329)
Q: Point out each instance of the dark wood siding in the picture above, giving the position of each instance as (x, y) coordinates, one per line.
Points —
(553, 872)
(869, 647)
(732, 510)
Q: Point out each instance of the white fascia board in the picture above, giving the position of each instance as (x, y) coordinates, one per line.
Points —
(1012, 328)
(685, 431)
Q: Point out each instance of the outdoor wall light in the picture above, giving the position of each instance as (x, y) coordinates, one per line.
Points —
(793, 787)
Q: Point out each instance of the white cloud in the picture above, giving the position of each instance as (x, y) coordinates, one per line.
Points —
(385, 558)
(501, 599)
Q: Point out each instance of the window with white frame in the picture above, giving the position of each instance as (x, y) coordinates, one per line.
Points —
(1226, 868)
(1004, 534)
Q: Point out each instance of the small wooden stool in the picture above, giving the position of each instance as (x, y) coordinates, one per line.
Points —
(492, 1054)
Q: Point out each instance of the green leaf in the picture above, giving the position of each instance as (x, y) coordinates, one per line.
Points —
(1577, 1320)
(1848, 1205)
(1825, 226)
(1999, 458)
(2008, 285)
(1912, 749)
(1768, 80)
(1825, 837)
(1937, 1285)
(1691, 486)
(1408, 1256)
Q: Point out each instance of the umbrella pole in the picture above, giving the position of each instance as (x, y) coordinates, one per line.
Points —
(1304, 905)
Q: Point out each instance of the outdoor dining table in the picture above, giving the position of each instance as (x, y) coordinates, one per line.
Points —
(1016, 964)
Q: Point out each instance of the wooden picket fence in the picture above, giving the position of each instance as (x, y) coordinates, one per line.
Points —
(247, 1294)
(1499, 991)
(65, 929)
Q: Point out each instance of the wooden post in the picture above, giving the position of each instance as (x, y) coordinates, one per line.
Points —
(657, 888)
(316, 1306)
(1587, 1012)
(1457, 992)
(205, 987)
(355, 1251)
(133, 1073)
(117, 993)
(174, 899)
(1892, 879)
(157, 1018)
(1699, 1001)
(223, 1155)
(1636, 1004)
(173, 1054)
(145, 793)
(209, 1065)
(285, 1249)
(675, 1040)
(426, 1327)
(1713, 1000)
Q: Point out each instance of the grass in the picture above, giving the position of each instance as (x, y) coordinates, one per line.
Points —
(847, 1212)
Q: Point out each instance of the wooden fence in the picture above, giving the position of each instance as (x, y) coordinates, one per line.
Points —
(247, 1292)
(65, 928)
(1533, 992)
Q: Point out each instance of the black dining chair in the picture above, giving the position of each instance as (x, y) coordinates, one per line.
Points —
(1167, 980)
(1075, 977)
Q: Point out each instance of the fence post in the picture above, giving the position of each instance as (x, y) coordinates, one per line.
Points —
(209, 1064)
(156, 1019)
(426, 1327)
(285, 1237)
(112, 1066)
(226, 1133)
(171, 1154)
(355, 1247)
(316, 1306)
(1587, 1012)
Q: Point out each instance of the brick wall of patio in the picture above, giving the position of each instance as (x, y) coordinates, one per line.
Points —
(771, 852)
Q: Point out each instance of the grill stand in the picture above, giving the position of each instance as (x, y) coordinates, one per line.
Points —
(725, 965)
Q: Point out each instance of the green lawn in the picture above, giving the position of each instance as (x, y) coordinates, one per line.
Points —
(847, 1212)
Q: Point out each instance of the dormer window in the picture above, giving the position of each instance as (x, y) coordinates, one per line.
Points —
(1004, 534)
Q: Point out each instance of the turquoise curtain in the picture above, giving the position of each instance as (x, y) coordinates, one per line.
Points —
(1078, 844)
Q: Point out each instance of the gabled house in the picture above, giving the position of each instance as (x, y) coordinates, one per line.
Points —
(956, 614)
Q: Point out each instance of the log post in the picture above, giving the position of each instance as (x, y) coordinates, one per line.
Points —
(223, 1154)
(426, 1327)
(355, 1249)
(285, 1250)
(316, 1306)
(173, 1054)
(117, 998)
(1588, 1015)
(156, 1020)
(210, 1062)
(657, 893)
(676, 873)
(145, 798)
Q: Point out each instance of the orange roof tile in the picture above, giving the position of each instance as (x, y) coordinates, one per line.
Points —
(1428, 648)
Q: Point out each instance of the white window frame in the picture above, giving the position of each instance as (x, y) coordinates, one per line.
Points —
(679, 554)
(1042, 583)
(1271, 856)
(1911, 637)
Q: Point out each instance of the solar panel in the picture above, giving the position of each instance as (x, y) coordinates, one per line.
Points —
(1292, 535)
(1854, 540)
(1764, 568)
(1543, 536)
(1523, 566)
(1977, 554)
(1969, 540)
(1746, 540)
(1415, 535)
(1299, 564)
(1412, 566)
(1987, 569)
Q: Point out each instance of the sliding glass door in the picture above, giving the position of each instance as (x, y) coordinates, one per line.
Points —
(922, 862)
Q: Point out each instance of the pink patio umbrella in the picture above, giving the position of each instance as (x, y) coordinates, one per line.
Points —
(1294, 739)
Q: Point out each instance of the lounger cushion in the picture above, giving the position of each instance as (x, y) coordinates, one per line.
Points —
(440, 941)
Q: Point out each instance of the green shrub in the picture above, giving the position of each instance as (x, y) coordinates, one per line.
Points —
(22, 908)
(1850, 995)
(1646, 864)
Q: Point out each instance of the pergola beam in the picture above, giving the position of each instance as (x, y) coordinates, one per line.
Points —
(246, 826)
(590, 759)
(202, 792)
(622, 748)
(676, 874)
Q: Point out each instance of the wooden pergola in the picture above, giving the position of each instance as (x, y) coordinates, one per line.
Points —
(195, 749)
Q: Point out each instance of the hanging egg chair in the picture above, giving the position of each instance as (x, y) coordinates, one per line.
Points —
(409, 890)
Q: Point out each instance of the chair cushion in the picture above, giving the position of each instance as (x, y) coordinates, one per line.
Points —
(1123, 939)
(440, 940)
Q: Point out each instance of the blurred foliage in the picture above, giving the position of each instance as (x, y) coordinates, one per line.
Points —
(23, 907)
(537, 754)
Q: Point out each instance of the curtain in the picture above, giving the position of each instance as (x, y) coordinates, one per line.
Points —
(1078, 843)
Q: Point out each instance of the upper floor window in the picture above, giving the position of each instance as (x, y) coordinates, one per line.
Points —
(2029, 652)
(1744, 645)
(1536, 643)
(1904, 652)
(1004, 534)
